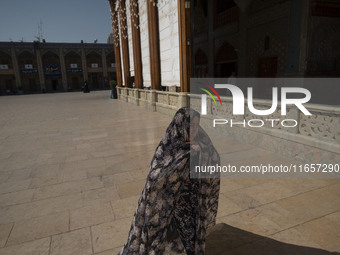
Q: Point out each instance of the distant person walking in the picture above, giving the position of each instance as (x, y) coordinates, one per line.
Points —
(232, 79)
(86, 87)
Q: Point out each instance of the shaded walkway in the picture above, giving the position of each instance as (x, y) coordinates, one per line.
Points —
(72, 166)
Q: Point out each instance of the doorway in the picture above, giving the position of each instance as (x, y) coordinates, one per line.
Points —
(75, 83)
(55, 85)
(226, 69)
(32, 85)
(267, 67)
(95, 81)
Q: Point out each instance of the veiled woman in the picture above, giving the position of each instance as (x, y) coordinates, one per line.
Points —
(175, 210)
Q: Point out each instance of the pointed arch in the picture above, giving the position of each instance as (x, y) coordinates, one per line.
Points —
(226, 53)
(200, 58)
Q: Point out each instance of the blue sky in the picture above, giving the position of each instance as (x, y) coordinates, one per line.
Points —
(62, 20)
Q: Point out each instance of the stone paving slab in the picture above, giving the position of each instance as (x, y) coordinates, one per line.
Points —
(74, 242)
(72, 167)
(36, 228)
(36, 247)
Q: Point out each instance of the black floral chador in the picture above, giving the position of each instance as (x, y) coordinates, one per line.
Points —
(171, 199)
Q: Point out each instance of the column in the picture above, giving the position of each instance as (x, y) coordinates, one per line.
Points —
(114, 18)
(40, 70)
(305, 19)
(243, 34)
(152, 11)
(184, 44)
(16, 68)
(63, 69)
(137, 59)
(125, 43)
(294, 39)
(83, 63)
(241, 65)
(105, 75)
(211, 40)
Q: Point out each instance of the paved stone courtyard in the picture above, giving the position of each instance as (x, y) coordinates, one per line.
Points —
(72, 166)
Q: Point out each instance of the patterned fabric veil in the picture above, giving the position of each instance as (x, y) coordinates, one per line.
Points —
(169, 169)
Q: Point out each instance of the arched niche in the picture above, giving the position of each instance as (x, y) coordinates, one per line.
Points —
(225, 60)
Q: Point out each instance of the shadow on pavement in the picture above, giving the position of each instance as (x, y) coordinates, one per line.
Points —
(225, 239)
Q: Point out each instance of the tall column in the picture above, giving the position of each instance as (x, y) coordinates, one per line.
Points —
(125, 42)
(137, 59)
(295, 36)
(40, 70)
(152, 10)
(16, 68)
(104, 63)
(114, 18)
(211, 40)
(184, 44)
(243, 31)
(305, 20)
(83, 63)
(242, 53)
(63, 69)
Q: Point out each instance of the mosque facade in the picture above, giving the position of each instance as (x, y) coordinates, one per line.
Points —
(50, 67)
(160, 44)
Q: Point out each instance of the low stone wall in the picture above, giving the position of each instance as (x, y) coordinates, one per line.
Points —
(154, 100)
(316, 138)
